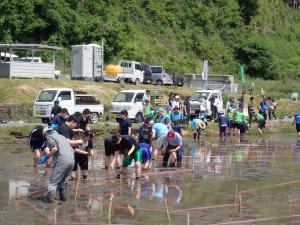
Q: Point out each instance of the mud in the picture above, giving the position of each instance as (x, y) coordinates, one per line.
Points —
(242, 181)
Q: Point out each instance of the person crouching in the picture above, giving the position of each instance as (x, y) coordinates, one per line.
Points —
(172, 143)
(63, 157)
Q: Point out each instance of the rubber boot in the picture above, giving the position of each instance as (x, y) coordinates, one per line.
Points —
(49, 198)
(63, 192)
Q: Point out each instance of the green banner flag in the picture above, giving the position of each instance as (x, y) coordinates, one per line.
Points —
(242, 74)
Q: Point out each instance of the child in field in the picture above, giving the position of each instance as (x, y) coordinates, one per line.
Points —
(198, 126)
(147, 109)
(81, 155)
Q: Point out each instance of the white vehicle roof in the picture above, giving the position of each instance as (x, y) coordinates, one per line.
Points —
(208, 91)
(128, 61)
(57, 89)
(133, 91)
(8, 54)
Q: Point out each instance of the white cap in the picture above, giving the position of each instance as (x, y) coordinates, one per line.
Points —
(47, 129)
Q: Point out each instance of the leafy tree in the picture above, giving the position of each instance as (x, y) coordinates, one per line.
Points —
(249, 8)
(258, 60)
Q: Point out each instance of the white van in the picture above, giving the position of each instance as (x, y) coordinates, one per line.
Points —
(207, 95)
(130, 100)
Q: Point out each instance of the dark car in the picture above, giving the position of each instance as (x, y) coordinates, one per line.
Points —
(147, 74)
(179, 80)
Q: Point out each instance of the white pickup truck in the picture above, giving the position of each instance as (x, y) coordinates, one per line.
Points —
(132, 72)
(67, 99)
(206, 95)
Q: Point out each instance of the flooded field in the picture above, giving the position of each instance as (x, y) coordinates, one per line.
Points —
(233, 181)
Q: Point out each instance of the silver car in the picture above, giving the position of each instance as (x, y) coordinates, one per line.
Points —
(159, 76)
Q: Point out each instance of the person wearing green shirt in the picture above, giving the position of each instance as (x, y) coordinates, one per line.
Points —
(257, 117)
(147, 109)
(239, 119)
(230, 118)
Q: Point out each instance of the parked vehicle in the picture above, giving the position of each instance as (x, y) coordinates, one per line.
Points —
(6, 57)
(208, 95)
(67, 99)
(179, 80)
(131, 72)
(130, 100)
(32, 59)
(160, 76)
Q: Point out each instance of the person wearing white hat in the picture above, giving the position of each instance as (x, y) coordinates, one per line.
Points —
(63, 157)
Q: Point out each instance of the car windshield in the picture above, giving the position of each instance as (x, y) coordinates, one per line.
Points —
(156, 69)
(47, 96)
(197, 95)
(124, 97)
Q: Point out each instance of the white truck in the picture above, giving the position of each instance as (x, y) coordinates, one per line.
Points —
(67, 99)
(207, 96)
(130, 100)
(132, 72)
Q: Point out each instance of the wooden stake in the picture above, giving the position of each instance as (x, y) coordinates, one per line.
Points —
(188, 219)
(76, 191)
(54, 216)
(193, 163)
(167, 211)
(109, 209)
(17, 195)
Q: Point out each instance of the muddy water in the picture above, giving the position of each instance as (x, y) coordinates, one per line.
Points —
(203, 191)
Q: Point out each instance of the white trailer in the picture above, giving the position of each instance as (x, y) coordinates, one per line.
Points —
(87, 62)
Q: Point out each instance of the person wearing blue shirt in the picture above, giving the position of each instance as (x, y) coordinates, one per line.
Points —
(125, 125)
(163, 118)
(297, 121)
(59, 118)
(222, 124)
(177, 119)
(158, 130)
(264, 108)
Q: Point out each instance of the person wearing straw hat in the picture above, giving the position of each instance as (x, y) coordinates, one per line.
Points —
(172, 142)
(63, 157)
(198, 126)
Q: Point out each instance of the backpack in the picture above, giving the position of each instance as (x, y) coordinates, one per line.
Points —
(36, 138)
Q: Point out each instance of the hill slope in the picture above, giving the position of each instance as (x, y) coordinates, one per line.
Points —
(179, 34)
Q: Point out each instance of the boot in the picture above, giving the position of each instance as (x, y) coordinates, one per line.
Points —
(49, 198)
(63, 192)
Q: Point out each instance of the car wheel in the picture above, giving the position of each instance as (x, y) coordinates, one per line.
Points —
(159, 82)
(137, 81)
(94, 117)
(121, 81)
(139, 118)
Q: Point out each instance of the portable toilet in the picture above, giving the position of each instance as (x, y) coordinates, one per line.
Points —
(87, 62)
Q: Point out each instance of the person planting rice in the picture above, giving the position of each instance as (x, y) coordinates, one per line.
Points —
(63, 157)
(59, 118)
(158, 130)
(81, 155)
(198, 126)
(257, 117)
(172, 142)
(230, 118)
(239, 119)
(109, 150)
(144, 137)
(38, 144)
(127, 146)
